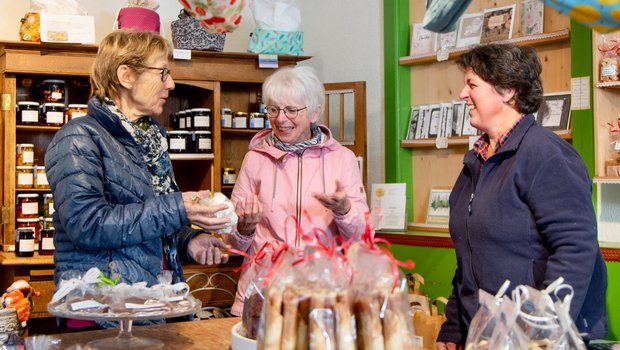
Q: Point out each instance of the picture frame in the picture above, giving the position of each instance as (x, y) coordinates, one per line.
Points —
(470, 29)
(458, 112)
(438, 209)
(413, 123)
(445, 128)
(434, 121)
(532, 17)
(497, 24)
(554, 112)
(468, 129)
(423, 41)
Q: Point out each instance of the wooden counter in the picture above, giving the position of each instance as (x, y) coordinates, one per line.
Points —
(207, 334)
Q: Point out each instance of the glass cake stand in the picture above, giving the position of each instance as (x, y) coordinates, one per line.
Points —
(125, 339)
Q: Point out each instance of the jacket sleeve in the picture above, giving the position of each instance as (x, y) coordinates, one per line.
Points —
(560, 199)
(351, 224)
(184, 236)
(79, 180)
(451, 328)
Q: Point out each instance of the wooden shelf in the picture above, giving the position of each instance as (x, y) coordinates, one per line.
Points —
(36, 128)
(240, 131)
(533, 40)
(463, 140)
(33, 189)
(607, 180)
(609, 84)
(192, 156)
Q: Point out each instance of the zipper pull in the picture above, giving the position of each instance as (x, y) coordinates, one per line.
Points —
(471, 199)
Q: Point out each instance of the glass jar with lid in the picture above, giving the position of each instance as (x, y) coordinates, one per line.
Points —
(24, 242)
(48, 204)
(178, 141)
(27, 206)
(33, 224)
(240, 120)
(226, 118)
(201, 118)
(25, 154)
(24, 175)
(229, 176)
(52, 114)
(46, 244)
(27, 113)
(202, 142)
(76, 111)
(257, 120)
(40, 177)
(53, 90)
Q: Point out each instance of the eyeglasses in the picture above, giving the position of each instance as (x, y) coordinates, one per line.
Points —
(289, 111)
(164, 72)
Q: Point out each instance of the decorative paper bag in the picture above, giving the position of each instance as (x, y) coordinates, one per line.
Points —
(276, 42)
(427, 326)
(30, 30)
(187, 34)
(417, 300)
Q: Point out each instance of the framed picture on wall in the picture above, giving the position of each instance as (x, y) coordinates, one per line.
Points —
(470, 28)
(554, 112)
(532, 15)
(497, 24)
(438, 209)
(413, 123)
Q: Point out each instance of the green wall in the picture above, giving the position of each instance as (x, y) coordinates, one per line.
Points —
(437, 265)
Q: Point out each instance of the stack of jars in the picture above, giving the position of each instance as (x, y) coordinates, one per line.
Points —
(32, 230)
(243, 120)
(51, 110)
(29, 175)
(191, 131)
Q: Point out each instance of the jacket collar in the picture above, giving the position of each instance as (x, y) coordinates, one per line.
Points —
(108, 120)
(260, 143)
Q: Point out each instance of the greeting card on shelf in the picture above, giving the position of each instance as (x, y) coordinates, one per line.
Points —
(438, 211)
(422, 41)
(554, 112)
(497, 24)
(470, 29)
(413, 123)
(388, 203)
(532, 12)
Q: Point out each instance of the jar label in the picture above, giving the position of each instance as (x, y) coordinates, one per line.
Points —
(25, 179)
(257, 123)
(229, 179)
(54, 117)
(182, 123)
(47, 243)
(178, 144)
(188, 122)
(204, 144)
(28, 157)
(26, 245)
(239, 123)
(30, 208)
(77, 114)
(226, 121)
(202, 122)
(51, 209)
(30, 116)
(42, 179)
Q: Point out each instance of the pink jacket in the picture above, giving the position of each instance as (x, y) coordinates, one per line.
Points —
(284, 183)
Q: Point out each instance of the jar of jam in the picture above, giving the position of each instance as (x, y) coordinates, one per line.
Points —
(24, 242)
(267, 121)
(48, 204)
(27, 113)
(178, 141)
(53, 90)
(27, 205)
(46, 244)
(24, 176)
(226, 118)
(25, 154)
(229, 177)
(76, 111)
(240, 120)
(181, 120)
(32, 224)
(47, 223)
(52, 114)
(174, 120)
(201, 118)
(188, 119)
(40, 177)
(202, 142)
(257, 121)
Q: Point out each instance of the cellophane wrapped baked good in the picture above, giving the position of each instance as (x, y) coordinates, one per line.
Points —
(338, 295)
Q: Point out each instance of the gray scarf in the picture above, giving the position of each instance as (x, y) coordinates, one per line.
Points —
(316, 139)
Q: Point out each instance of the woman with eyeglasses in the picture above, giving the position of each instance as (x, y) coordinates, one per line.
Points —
(118, 207)
(295, 170)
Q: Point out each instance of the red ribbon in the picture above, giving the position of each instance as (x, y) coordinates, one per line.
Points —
(614, 46)
(613, 127)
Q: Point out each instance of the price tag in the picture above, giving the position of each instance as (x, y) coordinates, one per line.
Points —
(267, 61)
(179, 54)
(441, 142)
(617, 147)
(442, 55)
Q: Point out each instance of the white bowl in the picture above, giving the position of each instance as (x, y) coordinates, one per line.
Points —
(240, 342)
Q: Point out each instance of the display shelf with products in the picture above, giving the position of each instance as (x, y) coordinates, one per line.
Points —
(442, 166)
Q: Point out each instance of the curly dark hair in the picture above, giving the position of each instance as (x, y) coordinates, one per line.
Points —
(507, 66)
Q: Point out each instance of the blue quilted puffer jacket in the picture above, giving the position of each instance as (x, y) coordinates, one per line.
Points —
(107, 215)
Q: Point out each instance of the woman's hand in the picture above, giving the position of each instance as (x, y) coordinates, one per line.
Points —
(207, 249)
(250, 212)
(203, 215)
(338, 202)
(448, 346)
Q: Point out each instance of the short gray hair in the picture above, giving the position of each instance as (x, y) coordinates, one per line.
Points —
(295, 82)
